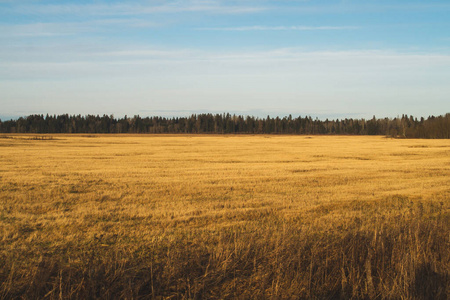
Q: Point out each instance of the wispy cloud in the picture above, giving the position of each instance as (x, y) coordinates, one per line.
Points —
(49, 29)
(54, 55)
(133, 8)
(279, 28)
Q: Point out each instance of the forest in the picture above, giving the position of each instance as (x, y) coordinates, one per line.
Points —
(400, 127)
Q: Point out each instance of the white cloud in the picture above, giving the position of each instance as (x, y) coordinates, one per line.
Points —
(279, 28)
(55, 53)
(50, 29)
(134, 8)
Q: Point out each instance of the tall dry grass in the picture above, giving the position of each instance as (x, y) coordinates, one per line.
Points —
(194, 217)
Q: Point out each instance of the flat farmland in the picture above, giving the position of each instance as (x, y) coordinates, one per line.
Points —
(238, 216)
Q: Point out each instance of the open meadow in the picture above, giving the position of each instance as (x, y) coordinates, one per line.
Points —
(238, 216)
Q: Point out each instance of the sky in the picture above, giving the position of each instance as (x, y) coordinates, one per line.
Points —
(323, 58)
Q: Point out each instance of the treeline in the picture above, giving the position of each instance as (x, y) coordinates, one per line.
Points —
(405, 126)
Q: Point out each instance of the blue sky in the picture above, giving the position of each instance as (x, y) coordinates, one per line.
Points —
(329, 59)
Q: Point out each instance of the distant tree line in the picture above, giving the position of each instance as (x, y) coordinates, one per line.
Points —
(405, 126)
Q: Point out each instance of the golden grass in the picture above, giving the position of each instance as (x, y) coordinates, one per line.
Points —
(144, 216)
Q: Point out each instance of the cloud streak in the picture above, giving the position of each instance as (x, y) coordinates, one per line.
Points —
(139, 8)
(49, 29)
(279, 28)
(50, 57)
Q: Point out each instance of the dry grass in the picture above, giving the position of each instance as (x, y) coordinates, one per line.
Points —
(224, 217)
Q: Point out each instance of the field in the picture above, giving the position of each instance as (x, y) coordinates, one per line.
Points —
(179, 217)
